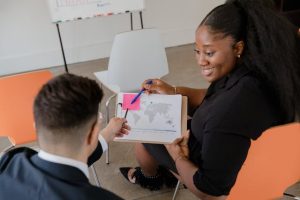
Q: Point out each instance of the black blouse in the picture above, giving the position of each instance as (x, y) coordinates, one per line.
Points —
(236, 109)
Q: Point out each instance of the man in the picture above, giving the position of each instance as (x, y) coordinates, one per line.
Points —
(68, 124)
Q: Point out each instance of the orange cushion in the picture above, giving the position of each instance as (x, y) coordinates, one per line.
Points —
(272, 165)
(17, 94)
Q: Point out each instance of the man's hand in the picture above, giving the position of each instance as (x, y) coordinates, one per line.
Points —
(116, 127)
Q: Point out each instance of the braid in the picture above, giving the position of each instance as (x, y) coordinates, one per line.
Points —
(271, 52)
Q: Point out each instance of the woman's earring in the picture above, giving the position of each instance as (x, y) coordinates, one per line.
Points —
(238, 55)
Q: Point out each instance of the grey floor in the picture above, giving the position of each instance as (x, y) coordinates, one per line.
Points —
(183, 71)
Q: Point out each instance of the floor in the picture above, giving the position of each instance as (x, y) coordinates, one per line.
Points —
(183, 71)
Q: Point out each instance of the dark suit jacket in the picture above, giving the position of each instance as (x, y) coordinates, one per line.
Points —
(24, 176)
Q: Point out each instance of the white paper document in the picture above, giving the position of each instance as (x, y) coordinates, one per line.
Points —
(157, 121)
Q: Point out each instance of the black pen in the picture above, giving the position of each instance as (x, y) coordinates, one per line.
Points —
(126, 113)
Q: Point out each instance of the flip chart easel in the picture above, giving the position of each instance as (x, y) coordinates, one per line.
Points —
(70, 10)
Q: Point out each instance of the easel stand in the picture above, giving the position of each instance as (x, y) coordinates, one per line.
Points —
(62, 48)
(141, 18)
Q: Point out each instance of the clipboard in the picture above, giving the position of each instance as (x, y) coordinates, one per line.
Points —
(155, 139)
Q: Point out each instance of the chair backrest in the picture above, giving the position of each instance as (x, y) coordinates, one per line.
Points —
(17, 94)
(135, 56)
(272, 165)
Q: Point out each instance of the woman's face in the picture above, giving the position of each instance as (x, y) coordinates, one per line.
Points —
(215, 54)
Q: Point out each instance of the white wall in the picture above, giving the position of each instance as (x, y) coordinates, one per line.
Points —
(28, 40)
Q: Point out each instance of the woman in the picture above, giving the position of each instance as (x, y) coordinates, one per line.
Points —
(250, 55)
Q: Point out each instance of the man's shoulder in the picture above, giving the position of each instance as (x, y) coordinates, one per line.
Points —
(22, 166)
(21, 153)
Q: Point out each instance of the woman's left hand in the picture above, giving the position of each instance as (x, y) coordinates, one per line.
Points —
(179, 146)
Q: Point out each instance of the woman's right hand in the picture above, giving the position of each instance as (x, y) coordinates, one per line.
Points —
(157, 87)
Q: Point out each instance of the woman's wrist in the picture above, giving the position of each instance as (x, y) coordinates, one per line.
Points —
(180, 157)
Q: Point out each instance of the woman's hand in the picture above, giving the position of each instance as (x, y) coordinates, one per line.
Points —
(157, 87)
(116, 127)
(179, 147)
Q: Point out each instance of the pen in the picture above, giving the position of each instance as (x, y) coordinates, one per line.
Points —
(126, 113)
(125, 117)
(139, 94)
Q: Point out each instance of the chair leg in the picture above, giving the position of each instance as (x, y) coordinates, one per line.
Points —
(176, 190)
(95, 176)
(107, 121)
(107, 155)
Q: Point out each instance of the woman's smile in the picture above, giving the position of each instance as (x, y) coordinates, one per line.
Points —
(207, 71)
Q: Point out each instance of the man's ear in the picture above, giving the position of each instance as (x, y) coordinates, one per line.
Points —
(239, 48)
(94, 132)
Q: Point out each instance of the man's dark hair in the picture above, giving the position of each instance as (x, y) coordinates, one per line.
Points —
(272, 48)
(66, 102)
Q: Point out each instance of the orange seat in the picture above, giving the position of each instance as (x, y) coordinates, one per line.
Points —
(272, 165)
(17, 94)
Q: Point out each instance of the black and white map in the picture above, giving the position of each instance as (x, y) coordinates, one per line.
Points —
(158, 120)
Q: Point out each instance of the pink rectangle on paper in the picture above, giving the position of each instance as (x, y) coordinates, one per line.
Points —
(127, 98)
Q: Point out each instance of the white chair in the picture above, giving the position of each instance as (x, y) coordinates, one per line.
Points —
(135, 56)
